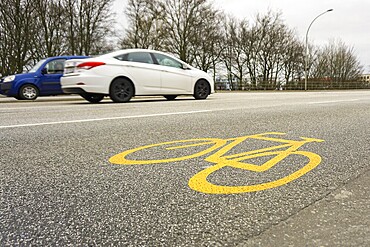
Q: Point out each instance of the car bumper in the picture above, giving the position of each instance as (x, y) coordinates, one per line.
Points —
(5, 88)
(85, 84)
(79, 91)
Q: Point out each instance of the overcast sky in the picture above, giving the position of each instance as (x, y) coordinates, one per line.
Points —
(349, 21)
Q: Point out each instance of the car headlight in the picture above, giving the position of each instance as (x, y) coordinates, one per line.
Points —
(9, 78)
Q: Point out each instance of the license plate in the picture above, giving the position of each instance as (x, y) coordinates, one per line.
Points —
(69, 70)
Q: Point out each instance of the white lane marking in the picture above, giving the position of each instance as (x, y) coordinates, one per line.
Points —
(33, 108)
(102, 119)
(333, 101)
(54, 105)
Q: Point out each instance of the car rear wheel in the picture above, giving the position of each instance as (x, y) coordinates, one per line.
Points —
(121, 90)
(201, 89)
(170, 97)
(28, 92)
(93, 98)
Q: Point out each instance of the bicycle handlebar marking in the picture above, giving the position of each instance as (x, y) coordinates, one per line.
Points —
(199, 181)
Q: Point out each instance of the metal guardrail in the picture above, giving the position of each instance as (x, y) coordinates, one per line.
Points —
(311, 85)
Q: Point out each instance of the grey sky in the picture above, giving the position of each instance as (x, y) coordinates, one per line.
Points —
(349, 22)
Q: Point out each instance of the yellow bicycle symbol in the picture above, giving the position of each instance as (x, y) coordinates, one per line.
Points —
(200, 183)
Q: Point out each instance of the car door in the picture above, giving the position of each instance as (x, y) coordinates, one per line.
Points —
(175, 79)
(49, 82)
(144, 73)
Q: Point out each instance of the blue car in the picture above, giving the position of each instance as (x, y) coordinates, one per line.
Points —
(42, 80)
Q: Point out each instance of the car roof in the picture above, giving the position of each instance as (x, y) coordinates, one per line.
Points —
(124, 51)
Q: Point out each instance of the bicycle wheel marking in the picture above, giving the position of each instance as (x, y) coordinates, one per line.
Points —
(120, 159)
(199, 182)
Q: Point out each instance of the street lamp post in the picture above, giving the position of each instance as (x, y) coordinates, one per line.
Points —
(306, 57)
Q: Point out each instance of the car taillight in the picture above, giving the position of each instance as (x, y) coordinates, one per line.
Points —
(89, 65)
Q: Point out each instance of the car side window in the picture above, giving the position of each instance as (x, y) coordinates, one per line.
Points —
(122, 57)
(167, 61)
(138, 57)
(55, 66)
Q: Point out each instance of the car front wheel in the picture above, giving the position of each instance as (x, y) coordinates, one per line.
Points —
(121, 90)
(28, 92)
(201, 89)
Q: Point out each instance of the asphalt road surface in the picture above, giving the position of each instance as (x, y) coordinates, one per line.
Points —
(237, 169)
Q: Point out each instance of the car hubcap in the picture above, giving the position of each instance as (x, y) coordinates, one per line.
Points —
(29, 92)
(122, 90)
(202, 89)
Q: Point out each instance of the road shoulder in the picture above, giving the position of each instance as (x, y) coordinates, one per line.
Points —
(340, 219)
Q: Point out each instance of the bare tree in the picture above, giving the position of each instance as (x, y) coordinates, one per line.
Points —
(207, 45)
(293, 61)
(272, 51)
(17, 30)
(145, 28)
(228, 54)
(251, 45)
(241, 58)
(271, 34)
(337, 63)
(183, 23)
(49, 40)
(189, 29)
(89, 23)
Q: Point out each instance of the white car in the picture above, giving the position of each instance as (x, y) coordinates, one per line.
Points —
(124, 74)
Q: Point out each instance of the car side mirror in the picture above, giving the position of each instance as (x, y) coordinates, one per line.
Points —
(44, 71)
(185, 67)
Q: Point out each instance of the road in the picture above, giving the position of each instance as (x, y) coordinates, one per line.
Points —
(237, 169)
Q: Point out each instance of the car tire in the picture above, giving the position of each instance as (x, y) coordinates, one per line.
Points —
(201, 89)
(170, 97)
(28, 92)
(121, 90)
(93, 98)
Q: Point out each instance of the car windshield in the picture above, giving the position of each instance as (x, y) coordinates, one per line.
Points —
(37, 66)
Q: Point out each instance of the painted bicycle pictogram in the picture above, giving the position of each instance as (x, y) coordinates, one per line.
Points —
(219, 153)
